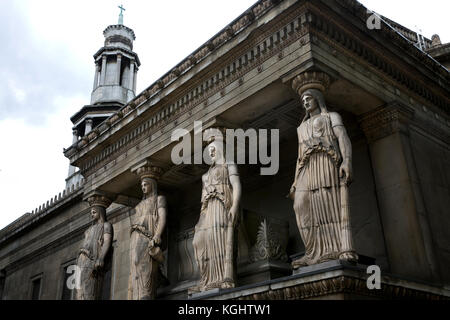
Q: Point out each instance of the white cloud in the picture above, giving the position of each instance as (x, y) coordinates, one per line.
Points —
(32, 165)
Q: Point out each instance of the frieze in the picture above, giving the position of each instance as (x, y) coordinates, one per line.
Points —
(386, 120)
(342, 285)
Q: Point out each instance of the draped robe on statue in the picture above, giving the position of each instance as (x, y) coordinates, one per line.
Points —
(322, 227)
(144, 268)
(91, 281)
(210, 238)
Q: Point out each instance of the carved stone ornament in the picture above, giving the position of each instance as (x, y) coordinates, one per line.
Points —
(322, 176)
(269, 245)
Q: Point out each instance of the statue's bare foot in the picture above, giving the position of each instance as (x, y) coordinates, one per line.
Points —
(227, 284)
(349, 256)
(303, 261)
(194, 289)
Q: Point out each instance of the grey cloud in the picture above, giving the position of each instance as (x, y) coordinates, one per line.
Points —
(40, 72)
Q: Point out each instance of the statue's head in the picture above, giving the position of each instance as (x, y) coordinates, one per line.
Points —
(98, 212)
(215, 152)
(313, 99)
(148, 186)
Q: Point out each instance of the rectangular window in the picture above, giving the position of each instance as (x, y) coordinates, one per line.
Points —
(36, 289)
(67, 293)
(2, 283)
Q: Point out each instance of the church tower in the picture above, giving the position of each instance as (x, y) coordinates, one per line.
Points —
(116, 67)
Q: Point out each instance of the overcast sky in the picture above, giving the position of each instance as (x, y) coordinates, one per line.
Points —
(47, 71)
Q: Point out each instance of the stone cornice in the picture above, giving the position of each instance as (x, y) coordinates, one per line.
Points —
(387, 64)
(334, 278)
(397, 117)
(119, 26)
(386, 120)
(112, 50)
(343, 284)
(393, 35)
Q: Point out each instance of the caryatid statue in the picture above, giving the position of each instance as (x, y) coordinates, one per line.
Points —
(322, 176)
(96, 245)
(214, 233)
(147, 227)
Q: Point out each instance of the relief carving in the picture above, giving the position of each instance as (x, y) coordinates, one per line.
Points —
(270, 245)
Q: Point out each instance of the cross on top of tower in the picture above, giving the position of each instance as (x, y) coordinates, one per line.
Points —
(122, 9)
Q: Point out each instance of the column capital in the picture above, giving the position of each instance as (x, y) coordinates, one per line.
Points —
(147, 169)
(386, 120)
(311, 80)
(99, 198)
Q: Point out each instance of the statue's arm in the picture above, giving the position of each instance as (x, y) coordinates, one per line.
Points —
(204, 177)
(297, 163)
(107, 241)
(237, 191)
(162, 218)
(345, 147)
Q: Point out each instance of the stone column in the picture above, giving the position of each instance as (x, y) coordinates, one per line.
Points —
(88, 126)
(103, 72)
(72, 169)
(119, 66)
(134, 80)
(403, 214)
(74, 136)
(131, 76)
(97, 71)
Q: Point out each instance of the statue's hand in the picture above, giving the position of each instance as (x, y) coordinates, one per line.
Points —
(345, 172)
(99, 264)
(233, 214)
(291, 193)
(156, 240)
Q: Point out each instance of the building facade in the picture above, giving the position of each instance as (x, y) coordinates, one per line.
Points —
(391, 88)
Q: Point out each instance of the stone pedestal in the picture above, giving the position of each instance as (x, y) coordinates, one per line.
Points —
(263, 270)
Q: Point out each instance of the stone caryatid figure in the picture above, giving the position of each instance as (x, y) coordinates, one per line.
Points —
(214, 233)
(96, 245)
(147, 227)
(322, 176)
